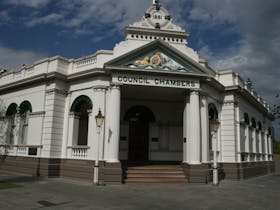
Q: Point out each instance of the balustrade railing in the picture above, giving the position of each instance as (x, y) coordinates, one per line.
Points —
(78, 152)
(20, 150)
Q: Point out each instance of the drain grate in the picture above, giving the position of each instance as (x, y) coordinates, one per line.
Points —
(46, 203)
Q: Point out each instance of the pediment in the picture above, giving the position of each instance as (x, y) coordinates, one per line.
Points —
(157, 55)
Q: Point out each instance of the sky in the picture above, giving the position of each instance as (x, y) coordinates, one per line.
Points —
(240, 35)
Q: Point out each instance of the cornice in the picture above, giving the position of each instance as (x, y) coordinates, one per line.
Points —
(250, 98)
(155, 32)
(32, 80)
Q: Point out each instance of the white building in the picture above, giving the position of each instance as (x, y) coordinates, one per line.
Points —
(158, 98)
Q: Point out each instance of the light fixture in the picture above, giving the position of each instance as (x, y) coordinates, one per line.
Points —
(99, 119)
(214, 125)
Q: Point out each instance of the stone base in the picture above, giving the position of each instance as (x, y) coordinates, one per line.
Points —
(240, 171)
(277, 163)
(112, 173)
(31, 166)
(197, 173)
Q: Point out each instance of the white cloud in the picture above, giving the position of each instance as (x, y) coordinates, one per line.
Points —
(28, 3)
(51, 18)
(12, 58)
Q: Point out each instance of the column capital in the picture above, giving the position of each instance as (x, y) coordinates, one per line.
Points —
(194, 92)
(115, 86)
(100, 88)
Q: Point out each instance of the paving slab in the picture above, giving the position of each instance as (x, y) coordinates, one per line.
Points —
(43, 193)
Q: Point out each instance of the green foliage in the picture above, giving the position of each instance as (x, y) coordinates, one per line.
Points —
(277, 147)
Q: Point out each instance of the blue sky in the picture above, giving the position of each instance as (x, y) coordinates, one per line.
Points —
(242, 35)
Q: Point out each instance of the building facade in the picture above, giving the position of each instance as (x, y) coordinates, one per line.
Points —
(158, 98)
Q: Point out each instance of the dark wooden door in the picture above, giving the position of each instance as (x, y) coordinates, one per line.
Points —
(138, 142)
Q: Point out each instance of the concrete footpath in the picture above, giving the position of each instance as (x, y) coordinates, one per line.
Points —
(258, 193)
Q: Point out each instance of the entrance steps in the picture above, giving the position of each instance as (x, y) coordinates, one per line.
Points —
(155, 174)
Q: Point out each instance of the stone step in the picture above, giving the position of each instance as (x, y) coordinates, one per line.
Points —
(155, 168)
(150, 180)
(155, 174)
(165, 176)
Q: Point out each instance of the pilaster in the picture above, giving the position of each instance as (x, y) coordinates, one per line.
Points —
(204, 129)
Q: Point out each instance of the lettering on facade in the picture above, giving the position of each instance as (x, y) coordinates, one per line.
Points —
(155, 81)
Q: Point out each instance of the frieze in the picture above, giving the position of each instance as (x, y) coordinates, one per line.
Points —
(158, 81)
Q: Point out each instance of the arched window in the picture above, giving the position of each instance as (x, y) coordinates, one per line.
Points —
(259, 126)
(213, 113)
(246, 119)
(10, 115)
(139, 114)
(270, 131)
(24, 109)
(213, 116)
(80, 107)
(253, 122)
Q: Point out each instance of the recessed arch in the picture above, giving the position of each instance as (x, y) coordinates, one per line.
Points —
(246, 119)
(213, 112)
(139, 118)
(80, 107)
(140, 114)
(270, 131)
(80, 102)
(12, 109)
(253, 122)
(24, 107)
(259, 125)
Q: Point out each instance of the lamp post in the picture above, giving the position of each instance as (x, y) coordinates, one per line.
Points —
(214, 126)
(99, 118)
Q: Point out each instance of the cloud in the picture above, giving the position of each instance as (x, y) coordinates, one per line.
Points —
(51, 18)
(256, 55)
(4, 18)
(28, 3)
(12, 58)
(84, 17)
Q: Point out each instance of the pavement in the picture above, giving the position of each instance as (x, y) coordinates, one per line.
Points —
(44, 193)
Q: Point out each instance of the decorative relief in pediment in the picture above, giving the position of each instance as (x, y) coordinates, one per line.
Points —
(158, 61)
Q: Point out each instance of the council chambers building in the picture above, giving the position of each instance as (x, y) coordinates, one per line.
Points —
(158, 99)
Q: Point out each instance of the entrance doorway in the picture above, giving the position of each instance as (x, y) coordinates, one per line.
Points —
(139, 118)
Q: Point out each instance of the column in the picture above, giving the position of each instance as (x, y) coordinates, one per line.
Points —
(195, 144)
(16, 130)
(112, 151)
(204, 129)
(269, 143)
(254, 142)
(73, 130)
(247, 142)
(186, 130)
(266, 146)
(260, 145)
(100, 100)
